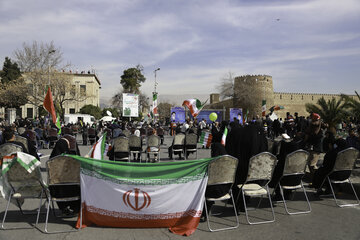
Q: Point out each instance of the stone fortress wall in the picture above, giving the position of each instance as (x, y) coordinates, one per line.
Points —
(250, 90)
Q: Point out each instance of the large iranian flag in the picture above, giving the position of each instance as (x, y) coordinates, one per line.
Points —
(142, 195)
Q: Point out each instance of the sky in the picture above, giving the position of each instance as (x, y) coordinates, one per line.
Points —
(310, 46)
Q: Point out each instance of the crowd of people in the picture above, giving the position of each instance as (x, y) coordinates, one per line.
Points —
(242, 141)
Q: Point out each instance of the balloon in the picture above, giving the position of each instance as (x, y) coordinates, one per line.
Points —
(213, 116)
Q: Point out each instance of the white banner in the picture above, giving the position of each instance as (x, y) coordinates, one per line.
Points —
(130, 105)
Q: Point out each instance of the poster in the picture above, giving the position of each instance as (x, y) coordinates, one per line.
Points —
(130, 105)
(177, 114)
(204, 114)
(236, 113)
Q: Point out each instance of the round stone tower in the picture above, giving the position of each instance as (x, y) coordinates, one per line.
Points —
(250, 90)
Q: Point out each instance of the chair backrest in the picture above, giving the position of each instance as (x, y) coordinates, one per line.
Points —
(345, 159)
(261, 166)
(21, 130)
(18, 175)
(121, 144)
(52, 132)
(153, 141)
(222, 170)
(134, 141)
(23, 141)
(126, 132)
(194, 129)
(72, 141)
(295, 162)
(66, 130)
(191, 139)
(179, 139)
(7, 148)
(30, 135)
(63, 169)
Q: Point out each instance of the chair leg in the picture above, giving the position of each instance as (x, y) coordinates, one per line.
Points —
(226, 228)
(336, 201)
(285, 205)
(246, 210)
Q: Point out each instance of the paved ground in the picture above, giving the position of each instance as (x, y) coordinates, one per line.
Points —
(326, 221)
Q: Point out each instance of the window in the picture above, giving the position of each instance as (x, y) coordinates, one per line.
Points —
(302, 97)
(72, 110)
(82, 90)
(19, 112)
(291, 97)
(312, 98)
(73, 90)
(280, 96)
(29, 113)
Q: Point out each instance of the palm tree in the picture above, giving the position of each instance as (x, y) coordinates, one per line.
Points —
(332, 111)
(353, 104)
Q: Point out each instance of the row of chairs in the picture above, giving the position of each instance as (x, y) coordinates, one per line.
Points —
(261, 167)
(64, 171)
(132, 145)
(185, 144)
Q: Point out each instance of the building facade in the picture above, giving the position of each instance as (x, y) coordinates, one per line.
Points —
(84, 87)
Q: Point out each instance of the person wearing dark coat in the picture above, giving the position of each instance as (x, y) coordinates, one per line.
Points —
(335, 147)
(243, 143)
(72, 207)
(286, 146)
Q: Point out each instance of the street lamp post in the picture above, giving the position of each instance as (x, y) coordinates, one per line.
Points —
(155, 94)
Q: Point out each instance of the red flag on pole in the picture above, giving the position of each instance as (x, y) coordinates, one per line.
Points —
(49, 105)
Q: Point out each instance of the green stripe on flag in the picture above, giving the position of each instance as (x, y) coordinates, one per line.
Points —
(144, 173)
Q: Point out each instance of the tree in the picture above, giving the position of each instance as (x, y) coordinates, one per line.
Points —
(38, 56)
(353, 105)
(132, 78)
(10, 71)
(40, 63)
(164, 109)
(92, 110)
(226, 86)
(13, 94)
(331, 111)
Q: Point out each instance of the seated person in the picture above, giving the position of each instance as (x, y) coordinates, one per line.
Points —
(320, 175)
(137, 133)
(72, 207)
(153, 149)
(118, 155)
(170, 149)
(287, 146)
(9, 137)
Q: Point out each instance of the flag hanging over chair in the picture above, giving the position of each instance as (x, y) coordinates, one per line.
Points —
(49, 105)
(194, 105)
(142, 195)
